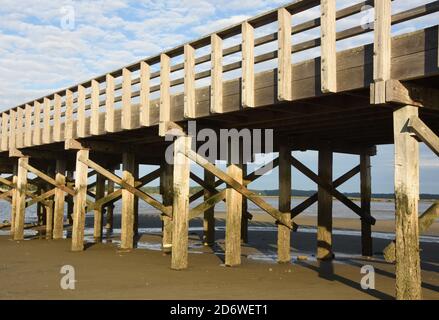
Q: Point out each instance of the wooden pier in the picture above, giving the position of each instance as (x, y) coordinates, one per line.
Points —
(349, 101)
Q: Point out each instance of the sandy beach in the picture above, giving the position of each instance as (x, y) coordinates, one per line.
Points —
(30, 269)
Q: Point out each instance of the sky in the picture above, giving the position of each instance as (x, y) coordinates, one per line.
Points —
(49, 45)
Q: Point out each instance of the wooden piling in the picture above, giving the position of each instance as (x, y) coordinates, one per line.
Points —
(244, 216)
(209, 214)
(180, 209)
(166, 184)
(79, 201)
(14, 197)
(233, 218)
(70, 200)
(366, 194)
(20, 199)
(324, 214)
(58, 223)
(49, 219)
(127, 224)
(110, 207)
(98, 213)
(283, 232)
(408, 269)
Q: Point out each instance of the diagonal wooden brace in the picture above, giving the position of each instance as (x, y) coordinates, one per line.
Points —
(145, 197)
(192, 155)
(331, 189)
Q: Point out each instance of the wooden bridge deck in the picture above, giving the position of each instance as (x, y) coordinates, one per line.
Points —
(342, 101)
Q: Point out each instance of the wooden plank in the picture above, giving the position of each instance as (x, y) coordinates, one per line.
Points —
(19, 131)
(12, 129)
(28, 125)
(79, 207)
(19, 198)
(94, 118)
(216, 104)
(37, 124)
(57, 118)
(127, 224)
(69, 132)
(284, 76)
(366, 195)
(5, 131)
(47, 129)
(324, 213)
(127, 106)
(382, 48)
(109, 104)
(166, 185)
(238, 187)
(424, 133)
(233, 218)
(189, 82)
(145, 74)
(165, 93)
(58, 220)
(408, 269)
(81, 123)
(180, 209)
(284, 233)
(209, 214)
(248, 64)
(328, 47)
(411, 94)
(98, 211)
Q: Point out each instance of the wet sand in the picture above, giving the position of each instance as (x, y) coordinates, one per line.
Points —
(30, 269)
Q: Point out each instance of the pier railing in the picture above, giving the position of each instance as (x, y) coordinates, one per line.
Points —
(145, 93)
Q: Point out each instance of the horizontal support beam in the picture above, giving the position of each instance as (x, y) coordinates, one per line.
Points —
(41, 198)
(411, 94)
(209, 203)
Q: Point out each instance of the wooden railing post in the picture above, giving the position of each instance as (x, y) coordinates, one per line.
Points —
(109, 104)
(145, 75)
(5, 132)
(28, 126)
(47, 129)
(216, 95)
(248, 65)
(284, 69)
(57, 119)
(81, 125)
(94, 118)
(328, 47)
(37, 124)
(127, 107)
(165, 93)
(68, 125)
(20, 131)
(189, 82)
(382, 49)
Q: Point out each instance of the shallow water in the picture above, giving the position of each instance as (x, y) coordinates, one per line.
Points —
(381, 210)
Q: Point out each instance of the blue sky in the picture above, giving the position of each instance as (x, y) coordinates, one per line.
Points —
(39, 54)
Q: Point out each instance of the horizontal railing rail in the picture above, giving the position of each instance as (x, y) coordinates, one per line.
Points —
(124, 99)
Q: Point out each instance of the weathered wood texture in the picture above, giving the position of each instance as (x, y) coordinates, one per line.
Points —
(324, 213)
(19, 198)
(366, 194)
(180, 208)
(167, 184)
(127, 227)
(408, 270)
(284, 233)
(58, 223)
(209, 214)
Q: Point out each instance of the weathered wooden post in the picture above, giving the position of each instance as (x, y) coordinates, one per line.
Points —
(70, 199)
(19, 199)
(166, 184)
(80, 201)
(244, 217)
(49, 210)
(14, 197)
(110, 207)
(324, 214)
(180, 209)
(233, 218)
(366, 194)
(408, 269)
(98, 214)
(209, 214)
(58, 223)
(127, 223)
(283, 232)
